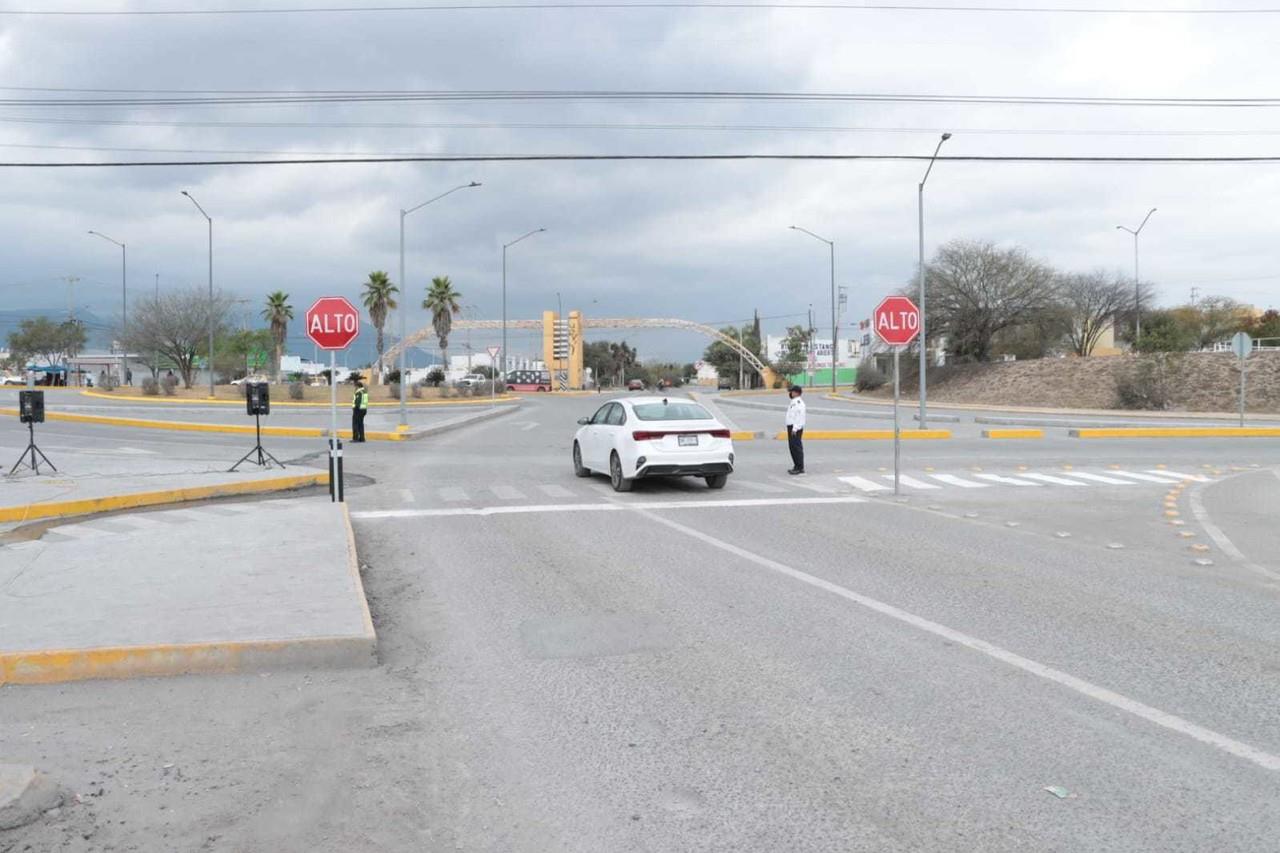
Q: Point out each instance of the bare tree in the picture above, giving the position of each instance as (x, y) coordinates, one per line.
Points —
(176, 325)
(977, 290)
(1092, 301)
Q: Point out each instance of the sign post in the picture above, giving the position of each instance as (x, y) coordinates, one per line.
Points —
(332, 324)
(493, 374)
(897, 323)
(1242, 345)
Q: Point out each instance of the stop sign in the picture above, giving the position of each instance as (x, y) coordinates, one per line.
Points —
(332, 322)
(896, 320)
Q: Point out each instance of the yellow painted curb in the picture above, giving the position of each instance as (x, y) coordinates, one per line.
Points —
(1013, 433)
(230, 429)
(109, 503)
(743, 435)
(1177, 432)
(870, 434)
(460, 401)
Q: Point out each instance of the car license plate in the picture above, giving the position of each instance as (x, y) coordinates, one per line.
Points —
(688, 441)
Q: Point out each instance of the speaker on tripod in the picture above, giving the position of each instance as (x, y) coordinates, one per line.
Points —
(31, 412)
(257, 402)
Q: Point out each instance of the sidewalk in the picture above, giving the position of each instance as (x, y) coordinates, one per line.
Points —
(212, 588)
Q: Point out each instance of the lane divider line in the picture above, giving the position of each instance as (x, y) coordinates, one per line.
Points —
(376, 514)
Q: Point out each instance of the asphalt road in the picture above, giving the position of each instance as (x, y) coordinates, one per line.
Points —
(787, 664)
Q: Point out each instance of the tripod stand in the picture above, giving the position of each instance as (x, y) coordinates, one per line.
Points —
(262, 454)
(34, 464)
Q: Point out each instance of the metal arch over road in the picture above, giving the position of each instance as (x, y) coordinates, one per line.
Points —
(601, 323)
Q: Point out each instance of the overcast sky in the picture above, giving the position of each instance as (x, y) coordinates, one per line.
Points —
(705, 241)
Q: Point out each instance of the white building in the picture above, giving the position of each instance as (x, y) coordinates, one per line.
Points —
(850, 349)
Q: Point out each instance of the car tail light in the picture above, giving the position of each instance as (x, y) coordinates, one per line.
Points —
(646, 435)
(720, 433)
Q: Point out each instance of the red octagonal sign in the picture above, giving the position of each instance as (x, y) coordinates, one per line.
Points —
(332, 323)
(896, 320)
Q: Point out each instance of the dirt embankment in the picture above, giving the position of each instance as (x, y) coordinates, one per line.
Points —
(1190, 382)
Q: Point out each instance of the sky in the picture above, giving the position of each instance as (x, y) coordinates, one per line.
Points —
(705, 240)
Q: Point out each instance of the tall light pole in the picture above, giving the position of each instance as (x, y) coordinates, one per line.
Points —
(924, 340)
(211, 318)
(404, 295)
(124, 291)
(506, 246)
(1137, 282)
(834, 330)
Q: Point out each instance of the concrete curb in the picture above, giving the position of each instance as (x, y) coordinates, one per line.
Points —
(1177, 432)
(840, 413)
(110, 503)
(227, 429)
(1013, 433)
(160, 659)
(458, 423)
(205, 401)
(1045, 410)
(870, 434)
(1065, 424)
(746, 434)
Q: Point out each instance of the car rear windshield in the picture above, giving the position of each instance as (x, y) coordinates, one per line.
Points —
(671, 412)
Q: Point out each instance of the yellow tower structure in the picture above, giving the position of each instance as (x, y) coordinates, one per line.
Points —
(562, 349)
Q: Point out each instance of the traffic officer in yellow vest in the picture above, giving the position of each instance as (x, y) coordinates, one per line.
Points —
(359, 408)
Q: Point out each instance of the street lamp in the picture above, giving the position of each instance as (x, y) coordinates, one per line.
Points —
(124, 290)
(404, 295)
(506, 246)
(924, 339)
(1137, 282)
(834, 344)
(191, 198)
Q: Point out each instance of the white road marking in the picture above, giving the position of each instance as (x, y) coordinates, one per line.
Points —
(1221, 539)
(752, 485)
(407, 496)
(528, 426)
(1148, 478)
(556, 491)
(864, 484)
(1098, 478)
(1049, 478)
(598, 507)
(452, 493)
(507, 493)
(910, 482)
(1009, 481)
(953, 480)
(1181, 476)
(1266, 760)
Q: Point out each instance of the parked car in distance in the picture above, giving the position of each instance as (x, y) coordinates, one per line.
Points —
(638, 437)
(471, 379)
(635, 385)
(12, 380)
(253, 378)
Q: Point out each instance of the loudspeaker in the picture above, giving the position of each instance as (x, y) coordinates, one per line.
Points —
(257, 398)
(31, 407)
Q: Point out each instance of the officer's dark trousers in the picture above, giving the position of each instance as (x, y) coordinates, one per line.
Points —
(795, 443)
(357, 424)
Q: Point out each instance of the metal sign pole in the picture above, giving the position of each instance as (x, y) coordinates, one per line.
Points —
(897, 431)
(333, 425)
(1243, 368)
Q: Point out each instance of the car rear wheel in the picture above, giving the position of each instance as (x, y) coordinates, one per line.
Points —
(619, 482)
(717, 481)
(579, 470)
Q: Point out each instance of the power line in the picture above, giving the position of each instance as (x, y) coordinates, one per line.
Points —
(625, 6)
(536, 158)
(216, 97)
(779, 128)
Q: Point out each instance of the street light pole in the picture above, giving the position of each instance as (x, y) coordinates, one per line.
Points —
(506, 246)
(124, 291)
(1137, 282)
(924, 339)
(404, 295)
(834, 330)
(211, 317)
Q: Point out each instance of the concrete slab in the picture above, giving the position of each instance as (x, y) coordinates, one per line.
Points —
(212, 594)
(25, 794)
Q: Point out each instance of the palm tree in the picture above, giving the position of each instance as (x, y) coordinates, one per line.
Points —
(379, 297)
(442, 302)
(278, 313)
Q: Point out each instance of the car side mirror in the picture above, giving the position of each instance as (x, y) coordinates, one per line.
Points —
(584, 421)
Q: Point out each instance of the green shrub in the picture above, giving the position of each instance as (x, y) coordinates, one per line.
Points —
(150, 387)
(869, 376)
(297, 390)
(1148, 383)
(170, 384)
(394, 389)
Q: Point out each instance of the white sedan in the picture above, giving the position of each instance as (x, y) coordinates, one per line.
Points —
(640, 437)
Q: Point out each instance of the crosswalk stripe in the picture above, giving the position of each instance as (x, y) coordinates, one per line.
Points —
(753, 486)
(1147, 478)
(555, 491)
(507, 493)
(1049, 478)
(863, 485)
(911, 482)
(953, 480)
(1181, 476)
(997, 478)
(452, 493)
(1099, 478)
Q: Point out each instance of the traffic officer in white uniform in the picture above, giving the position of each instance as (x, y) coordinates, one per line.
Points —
(795, 430)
